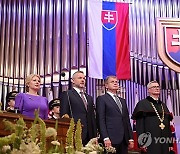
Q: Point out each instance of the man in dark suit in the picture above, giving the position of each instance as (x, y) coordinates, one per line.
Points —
(113, 118)
(79, 105)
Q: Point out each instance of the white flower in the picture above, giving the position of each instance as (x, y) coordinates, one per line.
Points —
(93, 141)
(5, 148)
(93, 152)
(55, 143)
(30, 148)
(51, 132)
(93, 146)
(79, 152)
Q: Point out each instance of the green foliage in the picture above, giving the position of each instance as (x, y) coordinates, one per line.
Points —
(0, 107)
(74, 138)
(32, 140)
(77, 137)
(61, 149)
(7, 140)
(70, 138)
(20, 127)
(34, 131)
(9, 125)
(56, 149)
(42, 132)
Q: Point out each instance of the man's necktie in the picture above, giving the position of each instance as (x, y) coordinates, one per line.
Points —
(84, 100)
(118, 102)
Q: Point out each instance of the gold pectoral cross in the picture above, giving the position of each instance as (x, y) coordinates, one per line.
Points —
(162, 126)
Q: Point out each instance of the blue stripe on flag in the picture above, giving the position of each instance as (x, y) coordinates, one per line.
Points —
(109, 46)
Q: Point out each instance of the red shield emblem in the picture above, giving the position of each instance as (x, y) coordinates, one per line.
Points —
(109, 19)
(168, 41)
(172, 43)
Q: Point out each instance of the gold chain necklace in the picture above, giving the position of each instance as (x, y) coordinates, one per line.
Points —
(162, 126)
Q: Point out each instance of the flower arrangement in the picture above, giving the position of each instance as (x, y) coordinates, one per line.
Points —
(29, 141)
(33, 141)
(74, 142)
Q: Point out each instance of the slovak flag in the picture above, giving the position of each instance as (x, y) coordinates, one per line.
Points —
(172, 125)
(108, 24)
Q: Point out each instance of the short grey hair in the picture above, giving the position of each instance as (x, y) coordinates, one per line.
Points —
(149, 84)
(107, 78)
(77, 73)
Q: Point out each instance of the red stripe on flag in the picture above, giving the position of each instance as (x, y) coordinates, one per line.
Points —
(174, 136)
(122, 42)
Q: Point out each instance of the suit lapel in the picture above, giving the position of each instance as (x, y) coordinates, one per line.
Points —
(113, 102)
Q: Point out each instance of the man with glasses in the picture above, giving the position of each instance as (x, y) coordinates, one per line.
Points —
(153, 122)
(113, 118)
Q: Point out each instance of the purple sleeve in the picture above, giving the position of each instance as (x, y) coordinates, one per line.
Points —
(19, 102)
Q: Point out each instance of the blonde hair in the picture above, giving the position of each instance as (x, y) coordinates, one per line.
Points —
(28, 80)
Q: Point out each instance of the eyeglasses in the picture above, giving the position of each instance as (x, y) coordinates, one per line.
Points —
(113, 82)
(154, 87)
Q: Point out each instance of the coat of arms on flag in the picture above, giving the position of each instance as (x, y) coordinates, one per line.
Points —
(109, 19)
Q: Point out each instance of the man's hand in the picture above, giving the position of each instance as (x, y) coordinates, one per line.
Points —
(131, 144)
(65, 116)
(107, 143)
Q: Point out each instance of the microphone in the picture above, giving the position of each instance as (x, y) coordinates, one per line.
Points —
(69, 103)
(63, 74)
(16, 110)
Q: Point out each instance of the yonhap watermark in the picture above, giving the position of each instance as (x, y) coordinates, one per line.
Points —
(145, 139)
(163, 140)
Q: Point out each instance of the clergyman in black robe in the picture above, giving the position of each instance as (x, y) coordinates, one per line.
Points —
(153, 122)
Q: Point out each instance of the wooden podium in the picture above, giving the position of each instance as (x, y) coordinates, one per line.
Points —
(63, 124)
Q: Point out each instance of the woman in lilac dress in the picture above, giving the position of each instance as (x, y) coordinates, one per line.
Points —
(27, 102)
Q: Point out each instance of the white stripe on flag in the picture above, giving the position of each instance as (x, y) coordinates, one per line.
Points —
(95, 39)
(169, 104)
